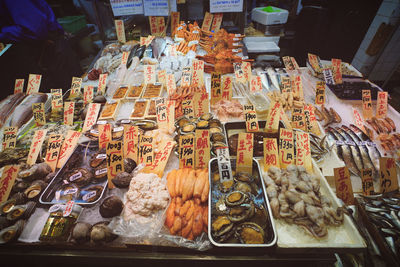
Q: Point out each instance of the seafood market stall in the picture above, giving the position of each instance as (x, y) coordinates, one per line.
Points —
(177, 148)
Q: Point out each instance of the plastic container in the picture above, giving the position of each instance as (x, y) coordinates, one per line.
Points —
(72, 24)
(261, 47)
(269, 15)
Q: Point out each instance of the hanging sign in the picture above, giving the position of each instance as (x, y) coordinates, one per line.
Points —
(126, 7)
(159, 7)
(217, 6)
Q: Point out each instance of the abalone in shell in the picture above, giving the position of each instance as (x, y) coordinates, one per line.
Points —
(122, 180)
(81, 232)
(129, 165)
(12, 232)
(80, 177)
(111, 207)
(92, 197)
(98, 158)
(100, 233)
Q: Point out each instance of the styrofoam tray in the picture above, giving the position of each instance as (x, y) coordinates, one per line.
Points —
(262, 47)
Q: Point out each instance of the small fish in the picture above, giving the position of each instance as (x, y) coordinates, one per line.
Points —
(391, 201)
(374, 209)
(274, 78)
(381, 221)
(355, 150)
(390, 242)
(395, 219)
(373, 150)
(388, 231)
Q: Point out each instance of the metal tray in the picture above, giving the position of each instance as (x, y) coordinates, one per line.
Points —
(261, 198)
(48, 195)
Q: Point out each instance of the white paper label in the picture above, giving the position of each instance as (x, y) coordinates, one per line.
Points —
(101, 122)
(125, 121)
(102, 171)
(224, 164)
(101, 156)
(89, 195)
(118, 129)
(55, 208)
(71, 191)
(75, 176)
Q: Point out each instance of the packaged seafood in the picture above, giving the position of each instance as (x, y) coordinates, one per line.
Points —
(152, 90)
(139, 109)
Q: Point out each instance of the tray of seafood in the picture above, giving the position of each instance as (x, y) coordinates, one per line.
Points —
(307, 213)
(82, 179)
(239, 212)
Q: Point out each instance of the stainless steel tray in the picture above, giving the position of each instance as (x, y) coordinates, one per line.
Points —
(261, 198)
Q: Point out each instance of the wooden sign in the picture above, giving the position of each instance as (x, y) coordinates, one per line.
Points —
(298, 119)
(76, 86)
(174, 22)
(320, 93)
(216, 24)
(146, 153)
(102, 83)
(271, 156)
(337, 70)
(202, 149)
(303, 152)
(216, 93)
(224, 164)
(201, 104)
(244, 155)
(105, 135)
(53, 150)
(226, 87)
(294, 63)
(246, 67)
(186, 151)
(7, 181)
(388, 174)
(185, 80)
(19, 86)
(39, 114)
(239, 73)
(88, 93)
(311, 120)
(284, 118)
(286, 148)
(68, 147)
(288, 63)
(197, 73)
(36, 146)
(115, 161)
(187, 108)
(286, 84)
(69, 113)
(150, 74)
(382, 105)
(131, 139)
(328, 76)
(160, 27)
(358, 120)
(314, 62)
(250, 116)
(162, 77)
(161, 111)
(367, 182)
(255, 84)
(56, 99)
(10, 137)
(153, 25)
(33, 83)
(344, 189)
(171, 113)
(125, 56)
(120, 29)
(207, 21)
(171, 84)
(91, 116)
(298, 87)
(367, 104)
(160, 158)
(272, 123)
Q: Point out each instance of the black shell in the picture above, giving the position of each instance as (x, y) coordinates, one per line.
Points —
(111, 207)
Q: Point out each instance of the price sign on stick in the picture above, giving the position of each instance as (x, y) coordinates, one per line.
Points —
(91, 116)
(286, 148)
(53, 150)
(272, 123)
(105, 135)
(76, 86)
(271, 156)
(202, 149)
(216, 93)
(381, 106)
(10, 137)
(187, 108)
(367, 182)
(68, 147)
(149, 74)
(303, 153)
(226, 87)
(337, 70)
(115, 160)
(367, 104)
(120, 29)
(224, 165)
(36, 146)
(207, 22)
(388, 173)
(320, 93)
(19, 86)
(38, 114)
(33, 83)
(146, 153)
(344, 189)
(250, 116)
(244, 155)
(102, 83)
(131, 138)
(186, 151)
(69, 113)
(7, 181)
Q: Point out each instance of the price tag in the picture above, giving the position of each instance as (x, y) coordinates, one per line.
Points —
(172, 51)
(38, 114)
(272, 123)
(160, 26)
(381, 106)
(367, 104)
(186, 151)
(244, 155)
(286, 148)
(171, 113)
(120, 29)
(33, 83)
(171, 84)
(337, 70)
(216, 24)
(56, 99)
(174, 22)
(303, 153)
(185, 80)
(224, 165)
(286, 84)
(315, 62)
(207, 21)
(102, 83)
(131, 138)
(255, 84)
(53, 150)
(142, 40)
(91, 116)
(239, 73)
(162, 76)
(283, 117)
(161, 158)
(68, 208)
(19, 86)
(226, 87)
(288, 63)
(328, 76)
(146, 154)
(294, 63)
(298, 120)
(320, 93)
(161, 111)
(344, 189)
(36, 146)
(358, 120)
(105, 135)
(216, 93)
(202, 149)
(69, 113)
(187, 108)
(153, 25)
(150, 74)
(311, 120)
(7, 181)
(271, 156)
(10, 137)
(115, 160)
(388, 173)
(201, 104)
(124, 58)
(367, 182)
(76, 86)
(298, 87)
(68, 147)
(197, 73)
(246, 67)
(250, 116)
